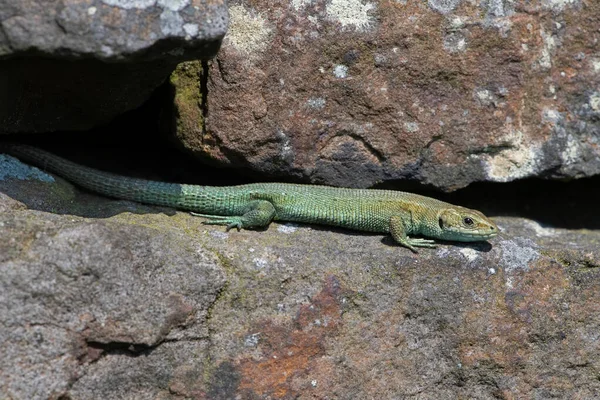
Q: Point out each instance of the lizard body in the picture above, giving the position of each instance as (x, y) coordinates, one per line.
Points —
(255, 205)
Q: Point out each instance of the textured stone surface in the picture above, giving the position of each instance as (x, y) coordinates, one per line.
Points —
(111, 30)
(73, 65)
(137, 306)
(112, 307)
(444, 92)
(93, 306)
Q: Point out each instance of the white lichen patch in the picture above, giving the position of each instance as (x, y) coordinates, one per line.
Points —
(571, 154)
(107, 51)
(520, 160)
(573, 148)
(595, 64)
(298, 4)
(260, 263)
(248, 32)
(469, 254)
(498, 8)
(595, 101)
(252, 340)
(443, 6)
(559, 5)
(551, 116)
(351, 13)
(191, 30)
(442, 252)
(316, 102)
(173, 5)
(485, 97)
(539, 230)
(171, 23)
(513, 164)
(455, 42)
(340, 71)
(287, 228)
(287, 151)
(517, 255)
(11, 167)
(411, 127)
(545, 58)
(129, 4)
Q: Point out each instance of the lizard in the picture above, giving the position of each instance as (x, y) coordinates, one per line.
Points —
(255, 205)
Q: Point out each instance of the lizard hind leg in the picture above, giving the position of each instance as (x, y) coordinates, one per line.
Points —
(398, 232)
(257, 214)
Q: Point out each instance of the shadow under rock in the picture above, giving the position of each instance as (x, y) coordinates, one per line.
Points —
(559, 204)
(133, 146)
(569, 205)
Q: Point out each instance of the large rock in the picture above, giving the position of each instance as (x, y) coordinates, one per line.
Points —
(102, 298)
(356, 92)
(73, 65)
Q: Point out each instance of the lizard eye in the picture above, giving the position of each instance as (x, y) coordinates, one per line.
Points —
(468, 221)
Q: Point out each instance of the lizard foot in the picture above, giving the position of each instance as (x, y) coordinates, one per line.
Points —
(422, 243)
(229, 221)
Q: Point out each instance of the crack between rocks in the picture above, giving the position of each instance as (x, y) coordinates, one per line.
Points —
(492, 149)
(60, 26)
(122, 348)
(204, 95)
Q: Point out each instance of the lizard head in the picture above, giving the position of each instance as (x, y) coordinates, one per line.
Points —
(465, 225)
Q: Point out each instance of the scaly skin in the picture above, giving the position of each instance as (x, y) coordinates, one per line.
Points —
(256, 205)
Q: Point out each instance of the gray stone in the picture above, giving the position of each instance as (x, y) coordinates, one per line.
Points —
(73, 65)
(80, 297)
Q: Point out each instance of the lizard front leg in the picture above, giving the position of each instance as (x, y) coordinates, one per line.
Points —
(398, 231)
(257, 214)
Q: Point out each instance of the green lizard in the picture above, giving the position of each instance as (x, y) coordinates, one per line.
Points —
(255, 205)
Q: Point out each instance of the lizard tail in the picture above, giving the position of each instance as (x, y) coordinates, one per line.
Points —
(108, 184)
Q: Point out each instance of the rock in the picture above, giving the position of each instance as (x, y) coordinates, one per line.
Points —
(126, 301)
(73, 65)
(444, 93)
(76, 294)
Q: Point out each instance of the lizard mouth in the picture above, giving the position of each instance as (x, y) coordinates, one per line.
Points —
(473, 236)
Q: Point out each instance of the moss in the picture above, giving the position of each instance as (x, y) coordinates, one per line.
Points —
(187, 99)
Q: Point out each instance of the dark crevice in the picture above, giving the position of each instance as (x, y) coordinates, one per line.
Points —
(130, 349)
(123, 348)
(134, 145)
(204, 94)
(61, 26)
(492, 149)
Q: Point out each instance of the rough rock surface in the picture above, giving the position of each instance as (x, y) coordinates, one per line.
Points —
(102, 298)
(444, 92)
(72, 64)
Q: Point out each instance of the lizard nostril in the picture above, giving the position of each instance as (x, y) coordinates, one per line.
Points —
(491, 227)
